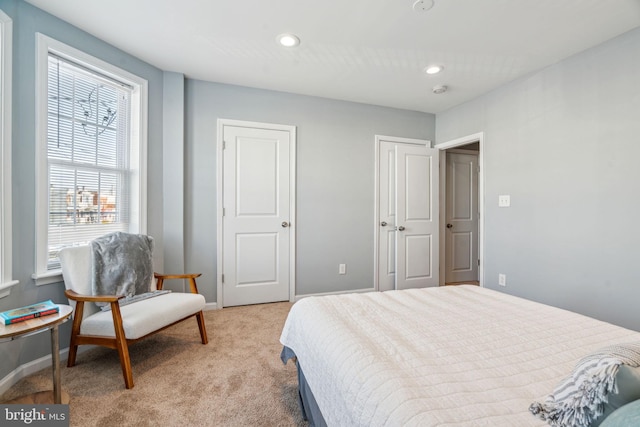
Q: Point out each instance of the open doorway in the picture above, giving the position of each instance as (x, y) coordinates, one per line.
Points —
(461, 211)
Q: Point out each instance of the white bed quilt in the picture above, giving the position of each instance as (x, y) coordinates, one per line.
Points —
(448, 356)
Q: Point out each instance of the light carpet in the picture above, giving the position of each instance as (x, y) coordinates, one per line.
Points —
(235, 380)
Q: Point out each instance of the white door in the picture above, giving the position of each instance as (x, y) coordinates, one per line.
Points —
(256, 215)
(417, 170)
(387, 216)
(417, 213)
(461, 238)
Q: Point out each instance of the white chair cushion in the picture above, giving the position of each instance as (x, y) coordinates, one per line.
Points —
(146, 316)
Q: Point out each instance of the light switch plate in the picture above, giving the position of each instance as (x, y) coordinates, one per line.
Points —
(504, 201)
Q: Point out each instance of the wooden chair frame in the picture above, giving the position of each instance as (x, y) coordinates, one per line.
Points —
(120, 342)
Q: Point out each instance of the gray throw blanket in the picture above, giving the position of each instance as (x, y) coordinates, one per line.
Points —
(580, 398)
(122, 264)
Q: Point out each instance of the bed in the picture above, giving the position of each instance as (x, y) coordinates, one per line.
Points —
(446, 356)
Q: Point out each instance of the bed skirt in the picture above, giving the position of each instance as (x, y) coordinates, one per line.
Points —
(308, 405)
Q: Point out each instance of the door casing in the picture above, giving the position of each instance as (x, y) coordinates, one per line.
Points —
(221, 123)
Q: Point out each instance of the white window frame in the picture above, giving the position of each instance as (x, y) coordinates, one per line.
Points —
(138, 153)
(6, 230)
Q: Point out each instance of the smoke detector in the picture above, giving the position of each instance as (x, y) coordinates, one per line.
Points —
(422, 5)
(439, 89)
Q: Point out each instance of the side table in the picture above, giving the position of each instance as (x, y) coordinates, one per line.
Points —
(32, 327)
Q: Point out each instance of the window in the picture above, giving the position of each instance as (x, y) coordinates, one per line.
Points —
(87, 156)
(6, 282)
(91, 164)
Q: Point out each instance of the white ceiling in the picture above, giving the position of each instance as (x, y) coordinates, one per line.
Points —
(371, 51)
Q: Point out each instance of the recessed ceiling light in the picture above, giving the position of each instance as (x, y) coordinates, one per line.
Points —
(288, 40)
(433, 69)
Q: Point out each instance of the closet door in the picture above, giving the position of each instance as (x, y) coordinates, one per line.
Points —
(256, 233)
(386, 256)
(407, 197)
(417, 212)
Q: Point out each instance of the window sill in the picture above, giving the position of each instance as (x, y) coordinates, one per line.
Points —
(5, 288)
(47, 278)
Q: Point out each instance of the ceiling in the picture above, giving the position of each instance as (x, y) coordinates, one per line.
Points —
(372, 51)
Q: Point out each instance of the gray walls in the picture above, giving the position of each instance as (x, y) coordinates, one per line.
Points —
(28, 20)
(565, 144)
(173, 176)
(335, 178)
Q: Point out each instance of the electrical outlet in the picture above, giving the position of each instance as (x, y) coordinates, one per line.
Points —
(342, 269)
(502, 279)
(504, 200)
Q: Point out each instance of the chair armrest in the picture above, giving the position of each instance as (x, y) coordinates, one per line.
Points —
(176, 276)
(192, 280)
(72, 295)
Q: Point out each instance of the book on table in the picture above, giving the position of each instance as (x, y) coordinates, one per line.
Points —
(28, 312)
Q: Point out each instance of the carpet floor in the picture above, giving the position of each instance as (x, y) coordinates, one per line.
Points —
(237, 379)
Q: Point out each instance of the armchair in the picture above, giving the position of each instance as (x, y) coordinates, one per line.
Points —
(121, 326)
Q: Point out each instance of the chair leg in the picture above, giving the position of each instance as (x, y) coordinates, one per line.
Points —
(73, 351)
(125, 362)
(203, 329)
(75, 330)
(121, 345)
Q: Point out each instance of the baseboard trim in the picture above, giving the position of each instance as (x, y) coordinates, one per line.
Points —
(34, 366)
(211, 306)
(354, 291)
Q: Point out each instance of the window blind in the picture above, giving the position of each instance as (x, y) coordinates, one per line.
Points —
(87, 154)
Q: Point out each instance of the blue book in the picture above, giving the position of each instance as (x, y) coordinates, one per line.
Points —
(29, 312)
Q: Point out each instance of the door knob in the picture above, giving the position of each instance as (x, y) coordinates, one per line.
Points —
(401, 228)
(383, 223)
(285, 224)
(449, 225)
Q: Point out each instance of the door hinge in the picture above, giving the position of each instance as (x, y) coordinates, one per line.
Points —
(224, 144)
(222, 278)
(223, 211)
(478, 262)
